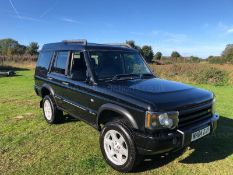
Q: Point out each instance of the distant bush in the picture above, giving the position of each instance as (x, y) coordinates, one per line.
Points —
(210, 75)
(195, 59)
(192, 72)
(216, 60)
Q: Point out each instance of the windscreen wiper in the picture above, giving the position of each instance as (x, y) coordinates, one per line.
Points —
(146, 75)
(125, 77)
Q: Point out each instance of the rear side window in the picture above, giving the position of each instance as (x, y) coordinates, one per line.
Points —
(44, 60)
(43, 63)
(60, 62)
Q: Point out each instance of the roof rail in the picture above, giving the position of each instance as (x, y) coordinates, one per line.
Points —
(79, 41)
(120, 44)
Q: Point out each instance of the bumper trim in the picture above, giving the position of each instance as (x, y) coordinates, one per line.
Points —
(182, 133)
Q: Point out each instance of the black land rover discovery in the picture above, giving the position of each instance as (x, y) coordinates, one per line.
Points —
(111, 88)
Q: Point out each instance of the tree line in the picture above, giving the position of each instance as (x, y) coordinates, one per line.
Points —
(10, 47)
(226, 56)
(149, 55)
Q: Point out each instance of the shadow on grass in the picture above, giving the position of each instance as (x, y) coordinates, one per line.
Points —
(16, 75)
(68, 119)
(217, 147)
(7, 68)
(210, 149)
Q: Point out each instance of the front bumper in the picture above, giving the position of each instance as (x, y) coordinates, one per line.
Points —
(166, 142)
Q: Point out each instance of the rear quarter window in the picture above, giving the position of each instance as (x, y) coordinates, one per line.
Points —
(43, 63)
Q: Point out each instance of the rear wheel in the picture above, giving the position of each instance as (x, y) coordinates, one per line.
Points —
(51, 114)
(118, 147)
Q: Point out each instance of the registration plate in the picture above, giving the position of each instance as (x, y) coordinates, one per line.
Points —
(201, 133)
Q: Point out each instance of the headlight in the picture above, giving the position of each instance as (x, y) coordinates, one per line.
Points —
(155, 120)
(213, 110)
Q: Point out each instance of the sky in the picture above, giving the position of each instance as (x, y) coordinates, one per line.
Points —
(191, 27)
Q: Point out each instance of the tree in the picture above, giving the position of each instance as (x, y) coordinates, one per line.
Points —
(20, 49)
(32, 49)
(147, 53)
(227, 54)
(158, 56)
(132, 44)
(228, 49)
(0, 50)
(8, 46)
(11, 47)
(175, 54)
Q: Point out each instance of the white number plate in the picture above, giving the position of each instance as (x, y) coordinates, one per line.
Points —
(201, 133)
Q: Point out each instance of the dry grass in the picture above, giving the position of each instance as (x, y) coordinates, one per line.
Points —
(189, 72)
(22, 65)
(18, 58)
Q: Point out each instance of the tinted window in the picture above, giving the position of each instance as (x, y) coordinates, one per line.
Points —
(59, 65)
(43, 63)
(44, 59)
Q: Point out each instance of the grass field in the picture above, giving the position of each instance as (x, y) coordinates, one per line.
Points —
(28, 145)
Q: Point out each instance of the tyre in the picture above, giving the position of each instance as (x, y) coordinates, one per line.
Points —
(118, 147)
(51, 114)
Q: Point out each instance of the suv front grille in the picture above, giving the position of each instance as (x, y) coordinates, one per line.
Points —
(191, 115)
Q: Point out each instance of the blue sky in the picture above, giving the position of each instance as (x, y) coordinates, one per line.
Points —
(197, 27)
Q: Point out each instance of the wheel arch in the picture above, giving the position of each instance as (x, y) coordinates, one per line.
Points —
(46, 90)
(114, 109)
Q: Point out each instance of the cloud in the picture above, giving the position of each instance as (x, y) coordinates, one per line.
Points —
(14, 8)
(168, 37)
(30, 18)
(175, 38)
(225, 29)
(48, 9)
(19, 16)
(230, 30)
(27, 18)
(69, 20)
(137, 33)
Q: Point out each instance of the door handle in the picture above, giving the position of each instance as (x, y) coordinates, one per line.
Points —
(65, 83)
(49, 78)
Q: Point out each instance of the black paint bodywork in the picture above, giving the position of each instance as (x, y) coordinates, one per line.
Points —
(88, 100)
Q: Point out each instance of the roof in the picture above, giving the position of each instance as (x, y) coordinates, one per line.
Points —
(83, 45)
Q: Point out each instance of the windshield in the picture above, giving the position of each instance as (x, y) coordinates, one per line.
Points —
(108, 64)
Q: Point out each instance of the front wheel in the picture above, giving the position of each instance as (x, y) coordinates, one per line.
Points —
(118, 147)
